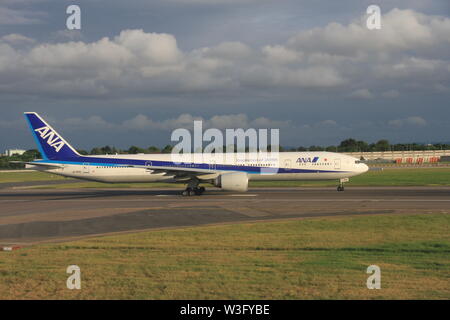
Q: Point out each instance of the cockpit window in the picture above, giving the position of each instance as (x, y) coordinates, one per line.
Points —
(358, 161)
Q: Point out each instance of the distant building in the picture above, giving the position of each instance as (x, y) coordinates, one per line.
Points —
(408, 157)
(10, 152)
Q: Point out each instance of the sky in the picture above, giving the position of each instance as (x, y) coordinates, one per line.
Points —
(137, 70)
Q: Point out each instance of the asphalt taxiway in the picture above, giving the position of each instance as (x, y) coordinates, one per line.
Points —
(30, 216)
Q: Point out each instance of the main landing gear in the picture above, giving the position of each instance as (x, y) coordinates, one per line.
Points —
(193, 189)
(341, 184)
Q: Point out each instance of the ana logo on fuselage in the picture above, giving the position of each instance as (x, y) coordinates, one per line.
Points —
(308, 159)
(52, 139)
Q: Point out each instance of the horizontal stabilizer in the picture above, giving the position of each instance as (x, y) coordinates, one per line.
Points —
(41, 164)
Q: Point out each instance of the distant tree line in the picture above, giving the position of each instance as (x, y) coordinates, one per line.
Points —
(347, 145)
(29, 155)
(352, 145)
(130, 150)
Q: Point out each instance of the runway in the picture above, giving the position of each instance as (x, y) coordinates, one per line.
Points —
(33, 216)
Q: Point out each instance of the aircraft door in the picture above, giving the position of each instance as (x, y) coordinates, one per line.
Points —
(288, 164)
(86, 167)
(212, 165)
(148, 164)
(337, 163)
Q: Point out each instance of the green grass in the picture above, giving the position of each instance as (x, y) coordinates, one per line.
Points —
(321, 258)
(27, 175)
(391, 177)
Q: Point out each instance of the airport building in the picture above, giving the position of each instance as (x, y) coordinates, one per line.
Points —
(10, 152)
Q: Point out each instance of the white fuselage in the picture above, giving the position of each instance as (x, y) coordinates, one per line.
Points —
(286, 166)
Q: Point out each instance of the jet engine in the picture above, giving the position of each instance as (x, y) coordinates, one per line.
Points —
(232, 181)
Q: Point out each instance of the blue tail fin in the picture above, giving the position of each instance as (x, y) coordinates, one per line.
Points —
(51, 145)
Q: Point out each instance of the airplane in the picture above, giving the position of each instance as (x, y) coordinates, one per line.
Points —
(232, 173)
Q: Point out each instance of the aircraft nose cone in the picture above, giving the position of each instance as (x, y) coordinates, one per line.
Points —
(365, 167)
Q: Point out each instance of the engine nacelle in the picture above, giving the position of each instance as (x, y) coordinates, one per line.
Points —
(233, 181)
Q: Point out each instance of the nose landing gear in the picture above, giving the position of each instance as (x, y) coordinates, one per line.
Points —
(341, 184)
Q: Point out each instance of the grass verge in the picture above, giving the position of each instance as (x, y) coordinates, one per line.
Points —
(321, 258)
(27, 175)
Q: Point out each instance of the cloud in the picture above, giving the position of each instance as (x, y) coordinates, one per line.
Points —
(229, 51)
(15, 38)
(308, 77)
(67, 35)
(87, 132)
(410, 46)
(401, 30)
(10, 16)
(144, 123)
(230, 121)
(414, 121)
(362, 94)
(92, 122)
(152, 48)
(280, 54)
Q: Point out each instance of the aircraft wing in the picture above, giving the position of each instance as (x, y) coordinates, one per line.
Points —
(182, 173)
